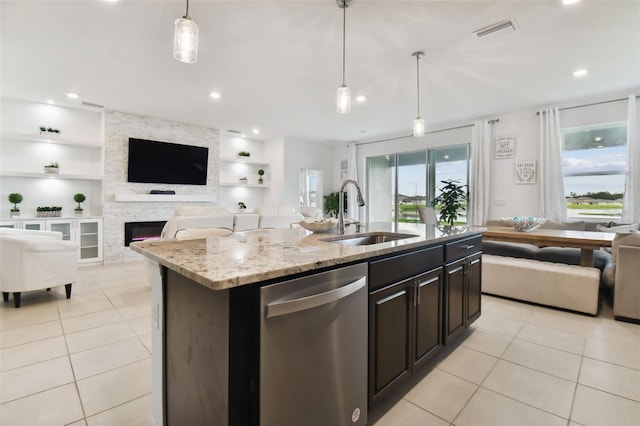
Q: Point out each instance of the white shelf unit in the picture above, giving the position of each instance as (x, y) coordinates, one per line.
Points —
(79, 149)
(234, 168)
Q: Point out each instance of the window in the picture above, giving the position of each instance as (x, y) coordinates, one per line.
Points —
(594, 163)
(398, 185)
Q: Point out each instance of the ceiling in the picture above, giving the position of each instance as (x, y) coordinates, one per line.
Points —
(277, 64)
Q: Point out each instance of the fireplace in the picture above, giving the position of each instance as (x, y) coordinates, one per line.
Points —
(140, 231)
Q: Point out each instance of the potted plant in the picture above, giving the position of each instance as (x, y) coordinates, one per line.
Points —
(260, 173)
(451, 198)
(45, 130)
(242, 206)
(53, 211)
(52, 167)
(16, 199)
(79, 198)
(244, 154)
(332, 204)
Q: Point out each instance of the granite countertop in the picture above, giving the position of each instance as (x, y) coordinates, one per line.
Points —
(248, 257)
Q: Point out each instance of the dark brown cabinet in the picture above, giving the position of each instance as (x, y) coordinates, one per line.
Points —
(404, 330)
(462, 286)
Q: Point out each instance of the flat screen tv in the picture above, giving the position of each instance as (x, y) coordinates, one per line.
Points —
(164, 162)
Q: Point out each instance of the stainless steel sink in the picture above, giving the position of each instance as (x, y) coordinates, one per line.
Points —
(368, 238)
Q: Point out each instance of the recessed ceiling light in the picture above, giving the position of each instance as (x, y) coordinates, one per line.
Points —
(255, 131)
(598, 139)
(72, 95)
(580, 73)
(570, 1)
(215, 95)
(361, 98)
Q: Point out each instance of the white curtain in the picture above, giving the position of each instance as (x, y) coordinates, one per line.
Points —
(478, 205)
(353, 210)
(631, 198)
(553, 205)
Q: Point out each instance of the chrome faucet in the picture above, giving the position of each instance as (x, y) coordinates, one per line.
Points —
(341, 203)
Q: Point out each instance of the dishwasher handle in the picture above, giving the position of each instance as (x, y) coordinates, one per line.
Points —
(275, 309)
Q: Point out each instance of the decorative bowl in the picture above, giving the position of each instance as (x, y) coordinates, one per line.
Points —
(319, 226)
(524, 224)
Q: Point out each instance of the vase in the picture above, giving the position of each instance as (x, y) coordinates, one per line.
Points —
(51, 169)
(260, 180)
(79, 213)
(15, 214)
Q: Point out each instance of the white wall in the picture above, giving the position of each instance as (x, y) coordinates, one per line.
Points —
(507, 198)
(299, 154)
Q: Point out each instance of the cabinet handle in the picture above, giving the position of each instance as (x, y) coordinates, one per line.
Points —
(468, 246)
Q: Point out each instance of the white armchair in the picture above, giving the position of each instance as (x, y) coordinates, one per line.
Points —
(35, 260)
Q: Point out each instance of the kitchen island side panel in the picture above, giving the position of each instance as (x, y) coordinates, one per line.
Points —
(196, 353)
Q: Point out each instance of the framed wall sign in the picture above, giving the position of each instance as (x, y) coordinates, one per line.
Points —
(505, 146)
(526, 172)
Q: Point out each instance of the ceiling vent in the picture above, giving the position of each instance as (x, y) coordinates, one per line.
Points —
(91, 105)
(498, 26)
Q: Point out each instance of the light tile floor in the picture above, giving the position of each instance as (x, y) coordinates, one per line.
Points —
(86, 361)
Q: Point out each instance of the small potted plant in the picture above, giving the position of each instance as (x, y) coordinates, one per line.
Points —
(46, 211)
(260, 173)
(451, 198)
(16, 199)
(52, 167)
(244, 179)
(242, 206)
(79, 198)
(47, 130)
(244, 154)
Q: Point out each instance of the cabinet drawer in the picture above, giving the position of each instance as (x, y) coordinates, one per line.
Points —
(463, 248)
(397, 268)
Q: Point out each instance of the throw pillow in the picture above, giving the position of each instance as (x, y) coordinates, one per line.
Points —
(620, 228)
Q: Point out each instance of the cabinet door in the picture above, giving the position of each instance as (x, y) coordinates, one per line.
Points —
(427, 316)
(9, 224)
(454, 299)
(62, 225)
(89, 237)
(388, 337)
(474, 287)
(33, 225)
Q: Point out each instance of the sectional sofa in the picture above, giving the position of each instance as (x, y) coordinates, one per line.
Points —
(551, 275)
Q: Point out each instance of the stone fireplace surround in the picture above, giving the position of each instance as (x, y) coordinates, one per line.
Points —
(118, 128)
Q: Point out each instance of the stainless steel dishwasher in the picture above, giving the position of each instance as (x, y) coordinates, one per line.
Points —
(313, 350)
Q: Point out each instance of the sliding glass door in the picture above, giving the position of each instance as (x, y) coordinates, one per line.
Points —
(398, 185)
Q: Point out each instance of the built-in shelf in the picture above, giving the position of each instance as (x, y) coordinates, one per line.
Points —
(171, 198)
(246, 185)
(242, 160)
(42, 175)
(53, 138)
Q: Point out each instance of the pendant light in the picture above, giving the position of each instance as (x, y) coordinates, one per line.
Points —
(185, 39)
(418, 123)
(343, 101)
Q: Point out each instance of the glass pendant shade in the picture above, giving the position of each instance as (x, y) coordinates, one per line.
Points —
(185, 41)
(344, 99)
(418, 127)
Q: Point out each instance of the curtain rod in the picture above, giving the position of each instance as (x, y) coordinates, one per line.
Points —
(495, 120)
(592, 104)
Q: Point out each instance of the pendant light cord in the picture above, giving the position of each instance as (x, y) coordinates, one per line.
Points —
(344, 37)
(418, 81)
(186, 16)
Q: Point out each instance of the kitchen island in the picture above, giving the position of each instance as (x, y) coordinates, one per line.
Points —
(206, 339)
